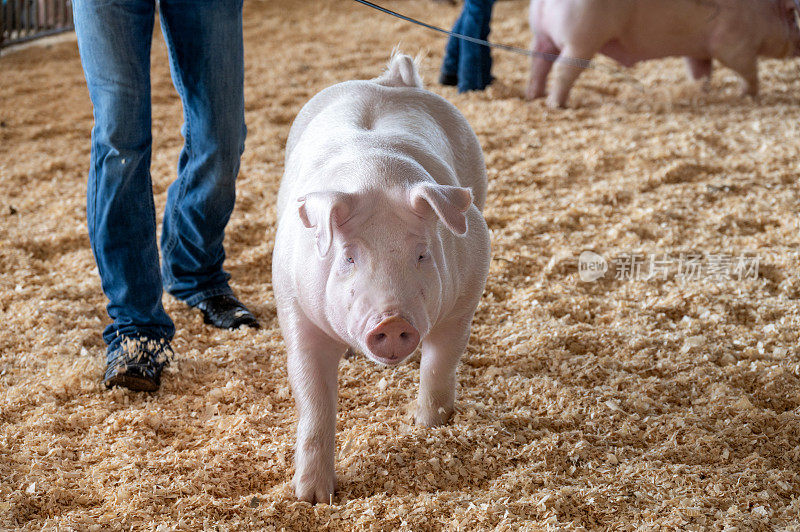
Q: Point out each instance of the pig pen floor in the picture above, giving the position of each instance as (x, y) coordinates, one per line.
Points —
(665, 403)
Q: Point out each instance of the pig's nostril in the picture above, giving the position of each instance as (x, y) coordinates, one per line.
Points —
(393, 339)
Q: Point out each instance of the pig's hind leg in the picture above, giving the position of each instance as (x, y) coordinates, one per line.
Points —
(744, 62)
(700, 71)
(441, 351)
(313, 361)
(545, 53)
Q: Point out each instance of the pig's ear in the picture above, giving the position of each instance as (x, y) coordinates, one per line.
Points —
(449, 203)
(324, 211)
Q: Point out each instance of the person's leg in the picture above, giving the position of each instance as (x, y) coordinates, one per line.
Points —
(206, 56)
(474, 66)
(486, 62)
(449, 72)
(114, 41)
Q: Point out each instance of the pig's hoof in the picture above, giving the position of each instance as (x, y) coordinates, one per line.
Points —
(433, 418)
(532, 93)
(749, 91)
(555, 103)
(318, 489)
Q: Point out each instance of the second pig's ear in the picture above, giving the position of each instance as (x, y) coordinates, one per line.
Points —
(449, 203)
(324, 211)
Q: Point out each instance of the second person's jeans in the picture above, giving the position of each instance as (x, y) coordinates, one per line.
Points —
(471, 63)
(204, 38)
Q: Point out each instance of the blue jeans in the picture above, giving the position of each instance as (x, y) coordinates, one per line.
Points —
(204, 38)
(470, 62)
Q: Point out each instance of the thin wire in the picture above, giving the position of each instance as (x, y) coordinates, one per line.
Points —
(582, 63)
(507, 47)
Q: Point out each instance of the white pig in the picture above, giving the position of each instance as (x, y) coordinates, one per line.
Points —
(381, 247)
(735, 32)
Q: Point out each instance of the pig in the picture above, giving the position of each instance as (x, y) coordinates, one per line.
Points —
(735, 32)
(381, 246)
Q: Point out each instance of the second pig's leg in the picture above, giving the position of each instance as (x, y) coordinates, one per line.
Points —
(744, 62)
(571, 63)
(700, 70)
(545, 54)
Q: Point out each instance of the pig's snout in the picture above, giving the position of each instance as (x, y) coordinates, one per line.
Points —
(393, 339)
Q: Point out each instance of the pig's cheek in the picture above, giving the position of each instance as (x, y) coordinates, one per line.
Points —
(345, 286)
(430, 279)
(342, 291)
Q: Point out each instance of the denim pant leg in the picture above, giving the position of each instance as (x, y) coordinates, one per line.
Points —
(486, 62)
(114, 41)
(475, 60)
(450, 62)
(204, 38)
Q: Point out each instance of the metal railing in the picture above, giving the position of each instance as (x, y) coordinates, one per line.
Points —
(23, 20)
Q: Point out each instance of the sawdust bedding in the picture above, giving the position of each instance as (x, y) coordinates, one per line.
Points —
(617, 404)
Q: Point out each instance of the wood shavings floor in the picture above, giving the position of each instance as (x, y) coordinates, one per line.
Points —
(668, 403)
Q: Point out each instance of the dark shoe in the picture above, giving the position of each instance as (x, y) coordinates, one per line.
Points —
(137, 363)
(226, 312)
(450, 80)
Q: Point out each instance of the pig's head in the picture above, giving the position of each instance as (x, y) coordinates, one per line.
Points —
(784, 41)
(385, 261)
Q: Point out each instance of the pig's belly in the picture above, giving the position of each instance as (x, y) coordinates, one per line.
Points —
(630, 50)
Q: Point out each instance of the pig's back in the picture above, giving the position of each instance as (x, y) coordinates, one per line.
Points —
(358, 119)
(632, 31)
(659, 29)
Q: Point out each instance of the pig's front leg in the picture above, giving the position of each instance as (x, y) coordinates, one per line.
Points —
(441, 351)
(313, 360)
(545, 54)
(571, 63)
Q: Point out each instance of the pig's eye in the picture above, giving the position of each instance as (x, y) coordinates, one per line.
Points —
(350, 254)
(422, 257)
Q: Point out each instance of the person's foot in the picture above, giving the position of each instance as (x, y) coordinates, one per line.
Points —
(450, 80)
(136, 363)
(226, 312)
